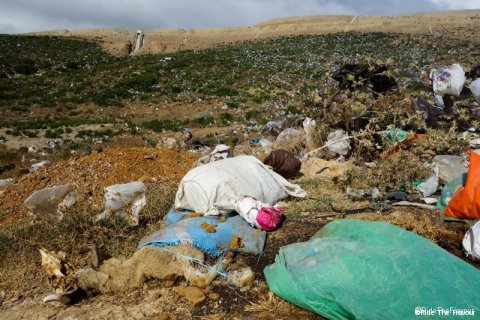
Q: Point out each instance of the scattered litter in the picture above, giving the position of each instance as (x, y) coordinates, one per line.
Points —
(395, 135)
(449, 190)
(471, 242)
(309, 125)
(475, 88)
(430, 185)
(448, 80)
(465, 203)
(284, 163)
(228, 180)
(266, 145)
(430, 200)
(51, 203)
(342, 272)
(127, 200)
(256, 213)
(180, 228)
(449, 167)
(39, 165)
(403, 144)
(338, 142)
(4, 182)
(290, 139)
(220, 152)
(428, 112)
(374, 193)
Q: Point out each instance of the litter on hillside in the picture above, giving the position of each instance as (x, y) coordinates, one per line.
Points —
(448, 80)
(465, 202)
(353, 269)
(127, 200)
(284, 163)
(213, 235)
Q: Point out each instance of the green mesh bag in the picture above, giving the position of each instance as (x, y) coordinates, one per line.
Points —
(353, 269)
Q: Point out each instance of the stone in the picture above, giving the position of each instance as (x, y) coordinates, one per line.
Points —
(192, 294)
(213, 296)
(241, 278)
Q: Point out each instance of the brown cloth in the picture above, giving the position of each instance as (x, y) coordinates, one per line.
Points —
(284, 163)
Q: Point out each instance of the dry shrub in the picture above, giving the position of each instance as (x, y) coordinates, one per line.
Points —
(448, 235)
(398, 170)
(76, 234)
(273, 307)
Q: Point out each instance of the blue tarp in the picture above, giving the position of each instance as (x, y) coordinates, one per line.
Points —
(180, 228)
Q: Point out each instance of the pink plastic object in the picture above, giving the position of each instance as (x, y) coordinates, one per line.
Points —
(269, 218)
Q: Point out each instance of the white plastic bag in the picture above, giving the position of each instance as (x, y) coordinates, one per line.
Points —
(342, 146)
(475, 88)
(51, 202)
(448, 80)
(226, 181)
(309, 125)
(471, 242)
(430, 185)
(126, 199)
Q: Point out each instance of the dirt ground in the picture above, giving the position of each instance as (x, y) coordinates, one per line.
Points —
(454, 23)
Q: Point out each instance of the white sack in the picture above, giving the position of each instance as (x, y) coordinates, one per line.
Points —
(342, 146)
(471, 241)
(448, 80)
(475, 88)
(228, 180)
(126, 199)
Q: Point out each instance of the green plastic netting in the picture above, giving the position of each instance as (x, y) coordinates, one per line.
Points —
(353, 269)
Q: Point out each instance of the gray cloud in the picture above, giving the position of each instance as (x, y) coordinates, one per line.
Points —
(34, 15)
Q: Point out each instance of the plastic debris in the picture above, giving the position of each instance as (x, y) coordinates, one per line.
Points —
(4, 182)
(465, 203)
(475, 88)
(127, 200)
(449, 167)
(338, 142)
(428, 112)
(395, 135)
(51, 203)
(309, 125)
(232, 232)
(353, 269)
(471, 242)
(430, 185)
(39, 165)
(256, 213)
(220, 152)
(448, 80)
(284, 163)
(288, 138)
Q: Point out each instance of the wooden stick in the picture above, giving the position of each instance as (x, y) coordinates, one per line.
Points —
(414, 204)
(308, 154)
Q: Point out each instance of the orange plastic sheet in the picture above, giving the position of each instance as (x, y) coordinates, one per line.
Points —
(465, 203)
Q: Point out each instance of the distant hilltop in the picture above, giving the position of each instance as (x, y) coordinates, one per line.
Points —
(464, 24)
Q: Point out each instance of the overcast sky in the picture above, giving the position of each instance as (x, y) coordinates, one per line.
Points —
(38, 15)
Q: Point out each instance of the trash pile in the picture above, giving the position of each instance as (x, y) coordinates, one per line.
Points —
(221, 207)
(385, 147)
(89, 175)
